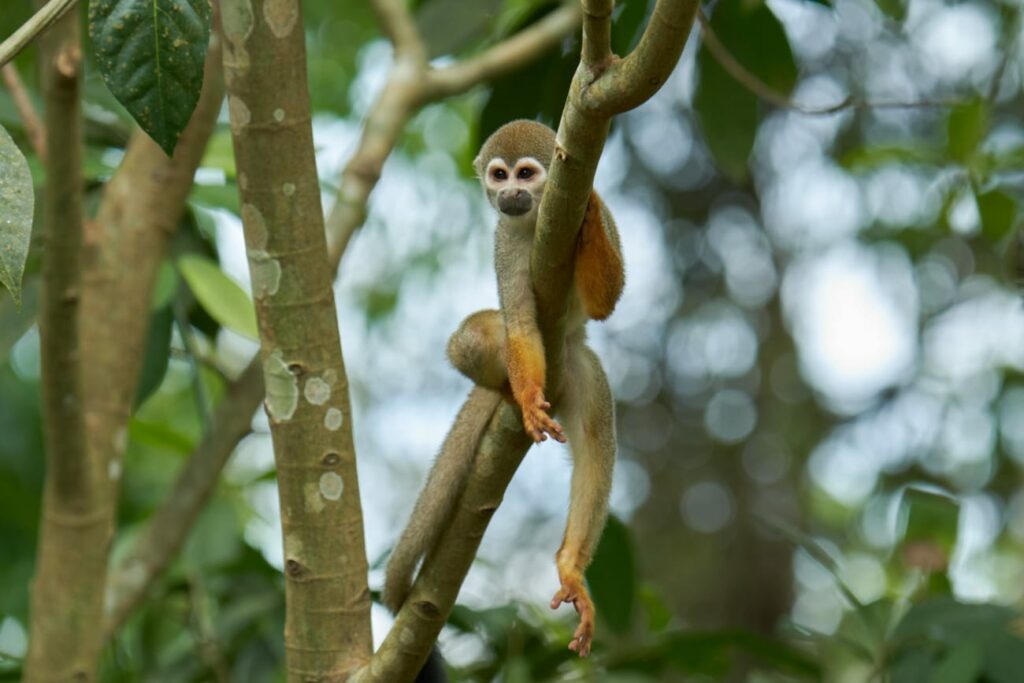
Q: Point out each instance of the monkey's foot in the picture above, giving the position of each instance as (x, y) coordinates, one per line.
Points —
(573, 591)
(538, 423)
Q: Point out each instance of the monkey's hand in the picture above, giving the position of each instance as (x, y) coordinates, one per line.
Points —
(536, 420)
(573, 591)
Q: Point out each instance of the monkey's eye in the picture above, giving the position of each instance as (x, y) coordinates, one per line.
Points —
(525, 173)
(500, 174)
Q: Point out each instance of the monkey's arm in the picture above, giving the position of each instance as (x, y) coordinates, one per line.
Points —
(599, 272)
(524, 347)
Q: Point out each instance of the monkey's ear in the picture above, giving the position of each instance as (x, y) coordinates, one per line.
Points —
(476, 165)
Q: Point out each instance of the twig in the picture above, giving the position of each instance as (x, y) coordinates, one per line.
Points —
(597, 32)
(506, 56)
(34, 128)
(765, 92)
(398, 25)
(37, 23)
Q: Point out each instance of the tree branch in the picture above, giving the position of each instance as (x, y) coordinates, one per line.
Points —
(166, 532)
(62, 643)
(327, 601)
(398, 25)
(34, 129)
(506, 56)
(765, 92)
(43, 19)
(581, 137)
(141, 209)
(597, 32)
(630, 82)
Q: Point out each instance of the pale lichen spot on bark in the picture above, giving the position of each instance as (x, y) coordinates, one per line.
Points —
(239, 113)
(331, 485)
(243, 180)
(114, 469)
(282, 388)
(288, 189)
(333, 419)
(292, 546)
(281, 16)
(317, 391)
(279, 115)
(330, 376)
(121, 441)
(314, 499)
(266, 273)
(255, 225)
(238, 21)
(406, 636)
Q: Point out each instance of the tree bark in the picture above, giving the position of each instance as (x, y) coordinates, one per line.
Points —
(327, 613)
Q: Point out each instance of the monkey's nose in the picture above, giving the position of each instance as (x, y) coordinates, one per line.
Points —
(515, 203)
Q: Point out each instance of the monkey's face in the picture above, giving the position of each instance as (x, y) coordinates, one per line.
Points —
(515, 189)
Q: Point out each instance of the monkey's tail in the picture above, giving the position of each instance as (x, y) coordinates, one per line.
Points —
(440, 494)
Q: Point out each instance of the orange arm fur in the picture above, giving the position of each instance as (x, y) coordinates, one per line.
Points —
(599, 272)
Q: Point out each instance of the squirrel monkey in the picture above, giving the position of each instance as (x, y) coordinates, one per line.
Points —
(502, 352)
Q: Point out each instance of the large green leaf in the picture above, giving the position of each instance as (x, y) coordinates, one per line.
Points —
(151, 55)
(16, 206)
(219, 295)
(612, 576)
(727, 110)
(998, 213)
(966, 128)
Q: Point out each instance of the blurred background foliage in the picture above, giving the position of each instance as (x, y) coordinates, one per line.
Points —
(818, 360)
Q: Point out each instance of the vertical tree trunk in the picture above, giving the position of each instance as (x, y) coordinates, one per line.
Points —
(63, 636)
(327, 621)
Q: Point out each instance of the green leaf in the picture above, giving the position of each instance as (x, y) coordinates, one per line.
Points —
(165, 287)
(932, 517)
(998, 213)
(869, 158)
(160, 435)
(612, 576)
(962, 664)
(628, 24)
(15, 319)
(444, 36)
(966, 128)
(948, 622)
(215, 540)
(151, 56)
(219, 295)
(894, 9)
(156, 355)
(726, 109)
(16, 206)
(1005, 657)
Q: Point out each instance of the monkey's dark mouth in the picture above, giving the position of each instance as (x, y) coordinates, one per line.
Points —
(515, 204)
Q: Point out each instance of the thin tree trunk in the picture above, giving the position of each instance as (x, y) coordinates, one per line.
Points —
(327, 613)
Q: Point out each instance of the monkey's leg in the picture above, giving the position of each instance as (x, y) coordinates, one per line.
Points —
(598, 273)
(477, 350)
(589, 415)
(482, 351)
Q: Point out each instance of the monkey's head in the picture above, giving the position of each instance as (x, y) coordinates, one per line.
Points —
(513, 165)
